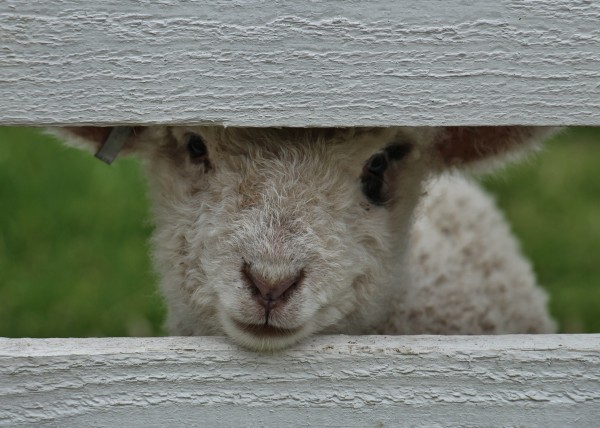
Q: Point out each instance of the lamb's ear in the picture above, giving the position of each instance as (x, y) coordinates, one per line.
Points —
(481, 146)
(105, 142)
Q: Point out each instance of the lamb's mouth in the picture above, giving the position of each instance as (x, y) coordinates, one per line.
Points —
(265, 330)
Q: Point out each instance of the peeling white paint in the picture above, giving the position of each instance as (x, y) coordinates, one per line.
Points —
(550, 380)
(294, 63)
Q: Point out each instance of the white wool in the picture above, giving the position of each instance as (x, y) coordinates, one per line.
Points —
(467, 272)
(439, 258)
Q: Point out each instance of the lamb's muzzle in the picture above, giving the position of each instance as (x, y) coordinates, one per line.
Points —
(270, 295)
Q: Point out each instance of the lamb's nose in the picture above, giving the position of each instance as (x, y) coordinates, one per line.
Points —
(269, 293)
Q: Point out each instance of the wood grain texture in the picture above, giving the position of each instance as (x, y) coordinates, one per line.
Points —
(300, 63)
(521, 380)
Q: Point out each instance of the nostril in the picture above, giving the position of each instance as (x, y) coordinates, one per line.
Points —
(270, 291)
(286, 285)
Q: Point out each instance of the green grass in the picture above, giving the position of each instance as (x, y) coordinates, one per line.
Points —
(73, 243)
(73, 236)
(553, 203)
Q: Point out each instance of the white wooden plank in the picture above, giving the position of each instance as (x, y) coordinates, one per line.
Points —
(300, 63)
(520, 380)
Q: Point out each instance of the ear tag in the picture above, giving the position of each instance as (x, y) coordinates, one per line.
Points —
(114, 143)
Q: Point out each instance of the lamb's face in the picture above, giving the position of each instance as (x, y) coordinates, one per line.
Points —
(269, 236)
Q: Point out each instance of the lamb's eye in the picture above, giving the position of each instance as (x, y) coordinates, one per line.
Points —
(372, 179)
(197, 147)
(377, 164)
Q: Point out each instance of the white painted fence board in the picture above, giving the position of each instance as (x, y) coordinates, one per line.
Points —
(300, 63)
(519, 380)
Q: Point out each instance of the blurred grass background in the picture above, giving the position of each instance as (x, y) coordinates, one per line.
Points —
(74, 253)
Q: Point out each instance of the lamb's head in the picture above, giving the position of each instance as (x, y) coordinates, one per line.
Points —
(270, 235)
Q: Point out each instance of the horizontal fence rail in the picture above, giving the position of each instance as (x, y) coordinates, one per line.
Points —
(516, 380)
(300, 63)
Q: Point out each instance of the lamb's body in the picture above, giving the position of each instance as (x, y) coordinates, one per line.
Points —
(466, 272)
(270, 235)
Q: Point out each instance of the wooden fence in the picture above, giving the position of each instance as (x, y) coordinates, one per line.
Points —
(345, 381)
(301, 63)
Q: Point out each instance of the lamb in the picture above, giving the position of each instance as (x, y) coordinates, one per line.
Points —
(270, 235)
